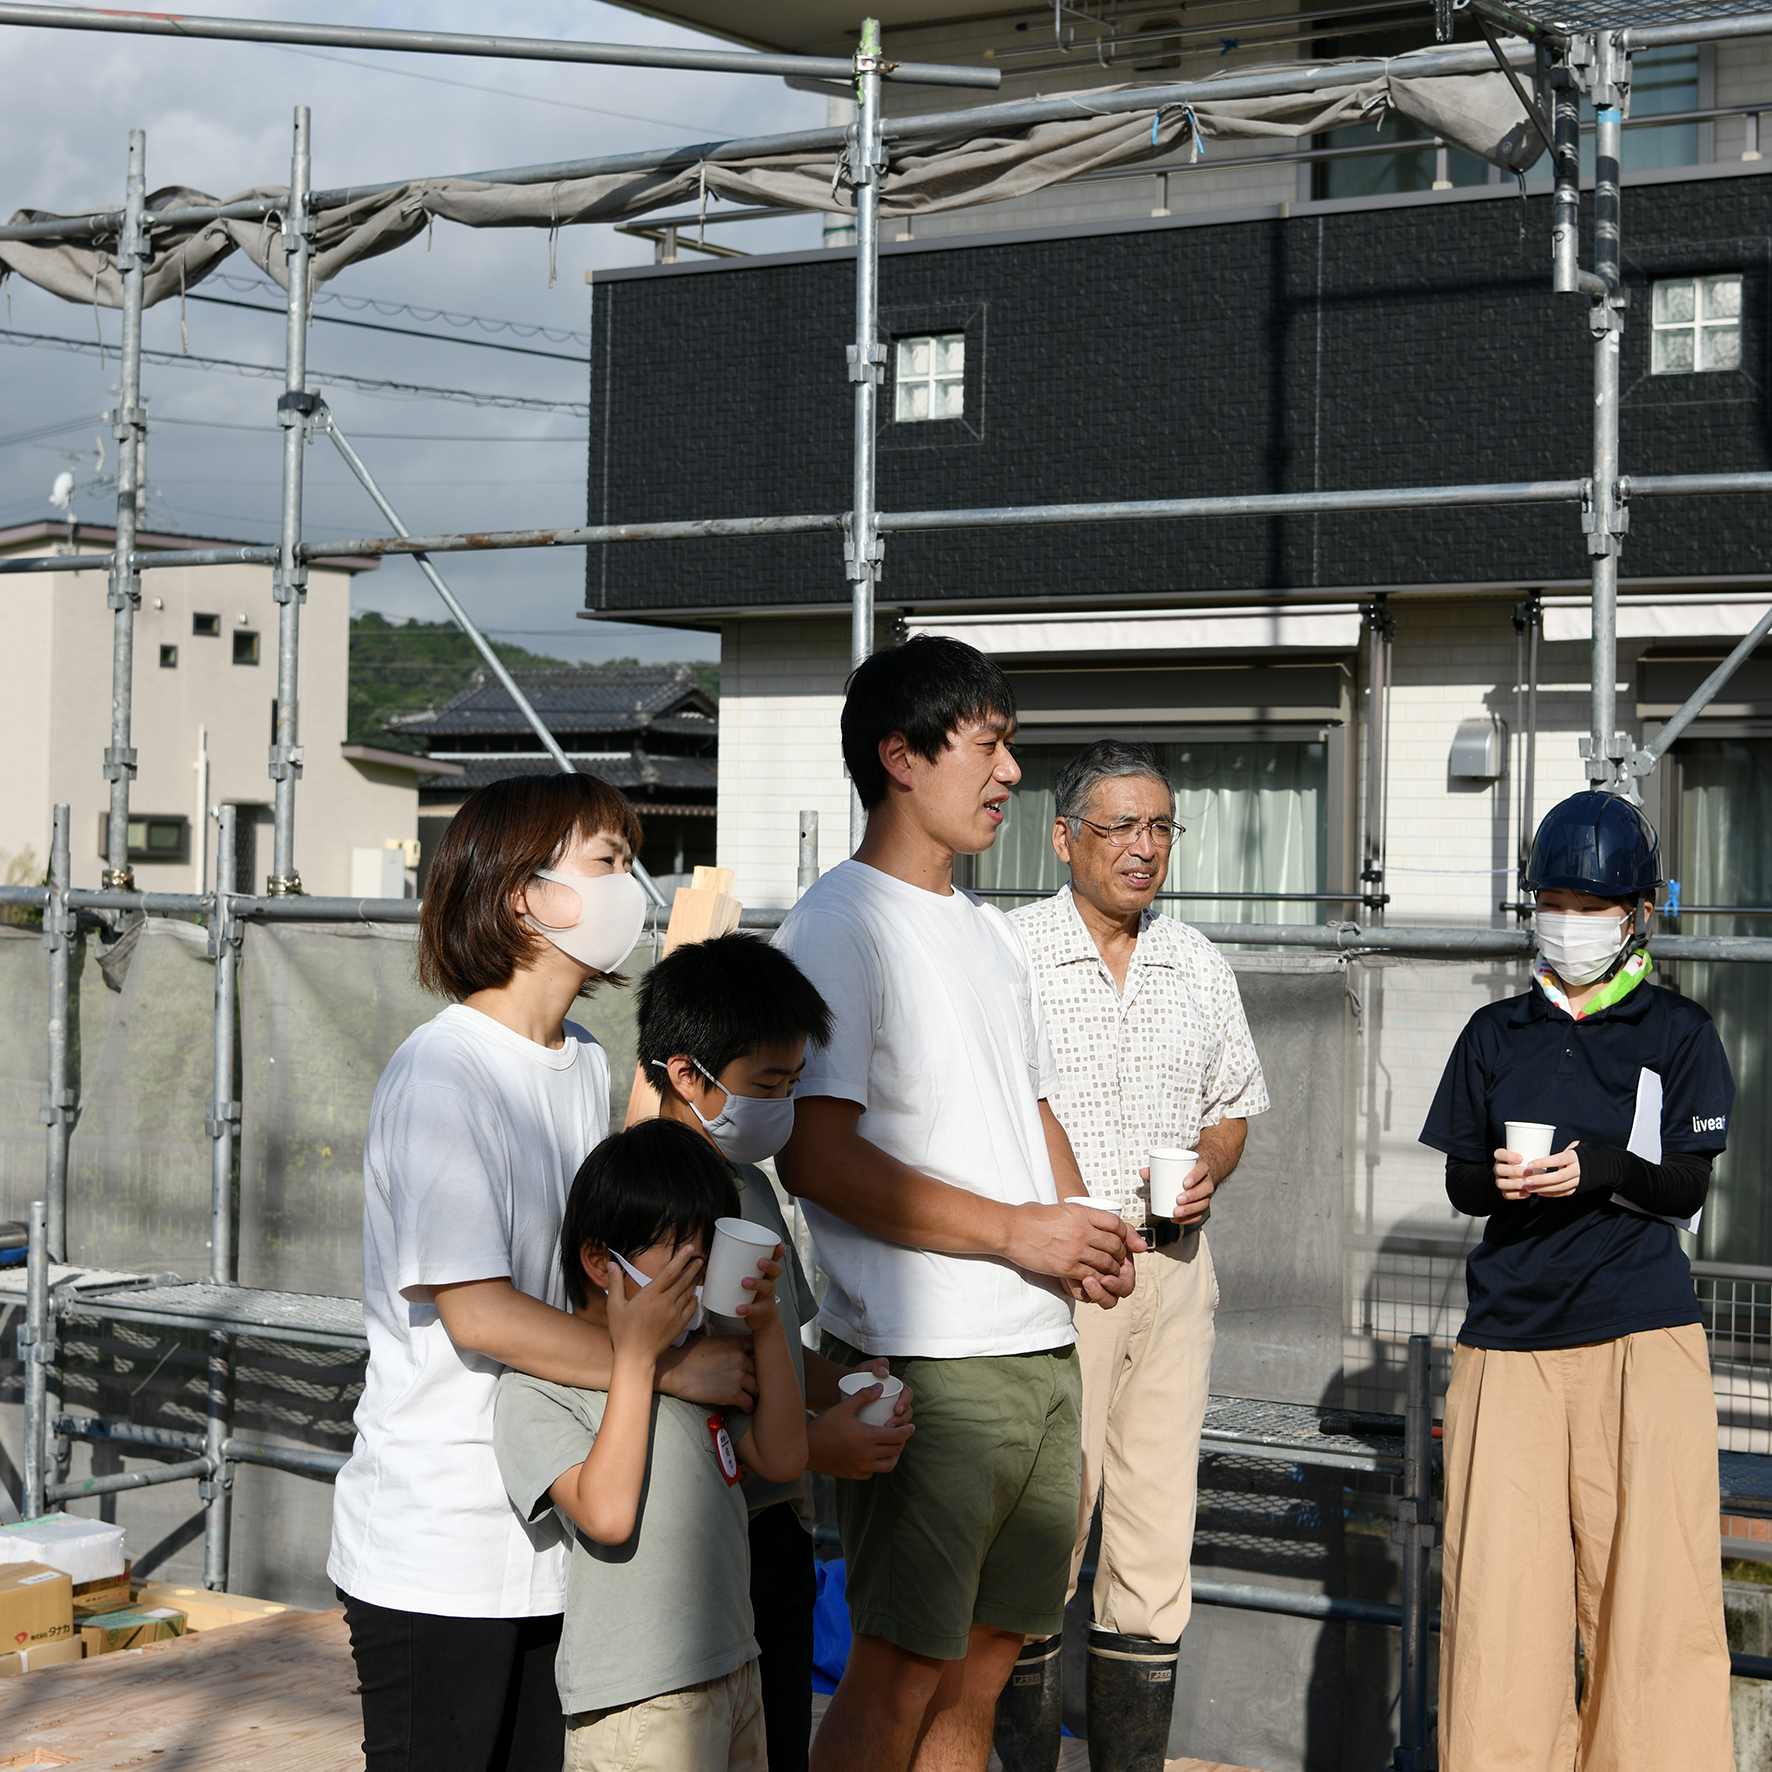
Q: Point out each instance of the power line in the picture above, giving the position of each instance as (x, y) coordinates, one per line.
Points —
(442, 338)
(214, 424)
(388, 309)
(55, 430)
(267, 371)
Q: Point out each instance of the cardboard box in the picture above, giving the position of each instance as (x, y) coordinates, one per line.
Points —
(204, 1610)
(84, 1550)
(110, 1593)
(133, 1629)
(28, 1661)
(36, 1606)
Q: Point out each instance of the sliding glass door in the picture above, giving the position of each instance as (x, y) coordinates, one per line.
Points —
(1256, 818)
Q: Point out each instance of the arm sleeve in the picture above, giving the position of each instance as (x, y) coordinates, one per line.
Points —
(537, 1437)
(1236, 1089)
(1471, 1188)
(1673, 1188)
(835, 953)
(449, 1188)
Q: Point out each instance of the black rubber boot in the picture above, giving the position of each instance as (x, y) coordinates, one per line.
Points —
(1131, 1695)
(1029, 1709)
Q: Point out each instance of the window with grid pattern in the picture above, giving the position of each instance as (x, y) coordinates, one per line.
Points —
(1695, 324)
(929, 377)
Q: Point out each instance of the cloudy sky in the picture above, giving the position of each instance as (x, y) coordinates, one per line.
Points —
(217, 117)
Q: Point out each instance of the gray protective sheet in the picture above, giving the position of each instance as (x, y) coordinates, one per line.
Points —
(1479, 113)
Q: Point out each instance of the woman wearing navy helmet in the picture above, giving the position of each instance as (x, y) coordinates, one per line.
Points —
(1581, 1430)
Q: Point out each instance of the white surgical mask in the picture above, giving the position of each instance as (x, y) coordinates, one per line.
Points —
(644, 1280)
(749, 1127)
(612, 914)
(1577, 948)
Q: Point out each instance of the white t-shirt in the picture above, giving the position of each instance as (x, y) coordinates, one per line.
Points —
(475, 1135)
(940, 1037)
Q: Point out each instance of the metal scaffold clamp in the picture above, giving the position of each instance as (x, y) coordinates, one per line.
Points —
(871, 367)
(220, 1124)
(861, 562)
(120, 763)
(286, 762)
(1605, 525)
(60, 1107)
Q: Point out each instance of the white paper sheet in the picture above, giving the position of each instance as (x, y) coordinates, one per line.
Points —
(1645, 1142)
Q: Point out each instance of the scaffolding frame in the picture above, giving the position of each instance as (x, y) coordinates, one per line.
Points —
(1562, 64)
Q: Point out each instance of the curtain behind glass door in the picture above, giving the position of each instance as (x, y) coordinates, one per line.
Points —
(1256, 814)
(1726, 858)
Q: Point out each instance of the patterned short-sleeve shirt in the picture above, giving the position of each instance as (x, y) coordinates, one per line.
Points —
(1147, 1066)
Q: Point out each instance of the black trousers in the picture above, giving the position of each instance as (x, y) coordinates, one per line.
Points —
(456, 1694)
(783, 1590)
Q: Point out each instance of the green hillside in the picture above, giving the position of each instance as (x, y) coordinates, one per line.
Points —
(403, 667)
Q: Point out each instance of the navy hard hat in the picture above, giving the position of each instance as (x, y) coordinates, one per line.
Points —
(1595, 843)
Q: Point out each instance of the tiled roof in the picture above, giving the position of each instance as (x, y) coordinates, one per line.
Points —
(674, 775)
(573, 698)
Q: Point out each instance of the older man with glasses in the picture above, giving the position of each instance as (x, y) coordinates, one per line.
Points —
(1153, 1050)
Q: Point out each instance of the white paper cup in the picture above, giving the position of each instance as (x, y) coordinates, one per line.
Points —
(738, 1246)
(1098, 1203)
(1169, 1172)
(878, 1413)
(1531, 1138)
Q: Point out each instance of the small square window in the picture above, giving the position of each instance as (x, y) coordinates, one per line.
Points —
(930, 378)
(152, 837)
(206, 624)
(245, 646)
(169, 658)
(1695, 324)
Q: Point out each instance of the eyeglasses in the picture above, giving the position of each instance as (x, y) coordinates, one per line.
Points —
(1122, 831)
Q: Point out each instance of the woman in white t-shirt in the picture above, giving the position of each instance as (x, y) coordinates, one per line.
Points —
(478, 1125)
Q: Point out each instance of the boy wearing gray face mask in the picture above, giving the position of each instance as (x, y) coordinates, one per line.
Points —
(723, 1029)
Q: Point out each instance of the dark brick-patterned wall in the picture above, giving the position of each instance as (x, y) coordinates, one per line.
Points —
(1379, 347)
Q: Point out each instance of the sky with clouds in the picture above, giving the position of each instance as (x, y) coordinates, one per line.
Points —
(218, 118)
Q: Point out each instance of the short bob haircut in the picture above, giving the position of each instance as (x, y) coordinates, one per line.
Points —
(925, 689)
(718, 1000)
(654, 1183)
(469, 937)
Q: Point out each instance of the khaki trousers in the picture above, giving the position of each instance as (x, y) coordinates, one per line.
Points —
(714, 1727)
(1146, 1365)
(1581, 1495)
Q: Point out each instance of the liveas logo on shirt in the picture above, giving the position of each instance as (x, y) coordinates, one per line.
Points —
(1718, 1123)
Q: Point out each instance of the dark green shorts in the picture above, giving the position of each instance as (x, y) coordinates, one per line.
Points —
(975, 1525)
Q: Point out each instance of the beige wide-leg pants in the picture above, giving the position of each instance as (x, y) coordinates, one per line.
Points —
(1145, 1367)
(1581, 1495)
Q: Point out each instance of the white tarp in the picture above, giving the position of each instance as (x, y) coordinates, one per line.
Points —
(1479, 113)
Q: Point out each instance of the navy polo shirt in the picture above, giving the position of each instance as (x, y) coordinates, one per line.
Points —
(1561, 1273)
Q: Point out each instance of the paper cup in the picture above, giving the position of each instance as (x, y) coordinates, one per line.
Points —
(1099, 1202)
(738, 1246)
(1169, 1172)
(1531, 1138)
(878, 1413)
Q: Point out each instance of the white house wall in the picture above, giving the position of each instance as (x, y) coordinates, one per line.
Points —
(55, 693)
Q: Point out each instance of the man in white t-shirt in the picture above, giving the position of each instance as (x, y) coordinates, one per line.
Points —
(933, 1173)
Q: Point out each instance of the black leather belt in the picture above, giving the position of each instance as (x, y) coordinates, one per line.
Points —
(1162, 1234)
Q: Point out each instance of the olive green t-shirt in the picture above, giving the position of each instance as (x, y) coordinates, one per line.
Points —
(672, 1606)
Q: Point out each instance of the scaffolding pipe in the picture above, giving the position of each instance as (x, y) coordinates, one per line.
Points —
(121, 1480)
(327, 422)
(1566, 196)
(1381, 627)
(216, 1489)
(534, 49)
(36, 1349)
(58, 1094)
(127, 426)
(1417, 1531)
(1606, 518)
(1701, 698)
(806, 874)
(289, 583)
(862, 548)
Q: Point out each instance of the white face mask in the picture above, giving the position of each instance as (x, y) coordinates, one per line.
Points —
(612, 914)
(644, 1280)
(1577, 948)
(749, 1127)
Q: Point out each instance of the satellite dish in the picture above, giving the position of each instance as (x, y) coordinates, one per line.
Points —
(61, 494)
